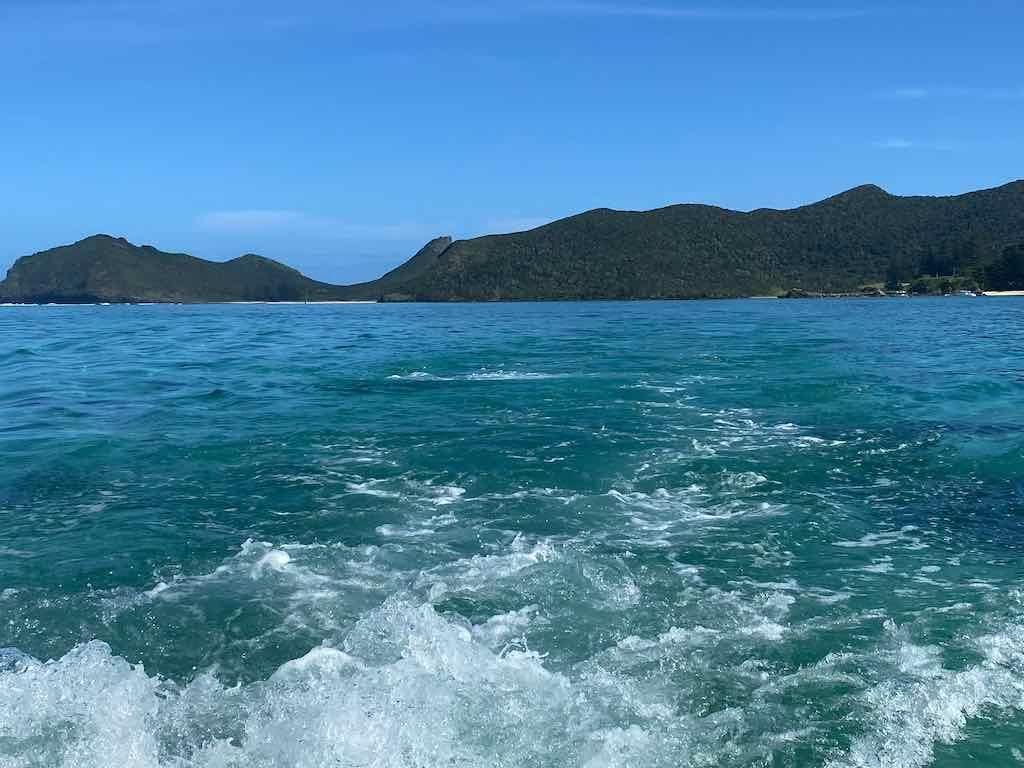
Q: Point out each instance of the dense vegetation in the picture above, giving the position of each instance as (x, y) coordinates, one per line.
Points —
(103, 268)
(861, 237)
(1007, 272)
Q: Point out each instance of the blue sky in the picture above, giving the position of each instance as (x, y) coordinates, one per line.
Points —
(341, 136)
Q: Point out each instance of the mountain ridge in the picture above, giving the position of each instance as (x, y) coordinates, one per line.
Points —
(688, 250)
(691, 250)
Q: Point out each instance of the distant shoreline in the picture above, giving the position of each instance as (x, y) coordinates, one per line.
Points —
(164, 303)
(843, 296)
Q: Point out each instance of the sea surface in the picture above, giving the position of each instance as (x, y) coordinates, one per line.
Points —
(735, 533)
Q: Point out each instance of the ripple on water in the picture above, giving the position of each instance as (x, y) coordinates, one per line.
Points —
(506, 535)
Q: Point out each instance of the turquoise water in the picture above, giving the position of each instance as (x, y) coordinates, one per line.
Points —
(743, 533)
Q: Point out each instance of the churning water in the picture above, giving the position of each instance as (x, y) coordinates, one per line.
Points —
(649, 534)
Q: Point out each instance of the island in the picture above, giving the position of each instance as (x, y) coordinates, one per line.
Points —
(862, 242)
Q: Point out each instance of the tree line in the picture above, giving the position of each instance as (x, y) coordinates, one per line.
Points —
(973, 263)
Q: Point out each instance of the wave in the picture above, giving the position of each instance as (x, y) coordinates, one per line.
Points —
(926, 704)
(407, 687)
(666, 511)
(498, 375)
(512, 376)
(483, 571)
(408, 683)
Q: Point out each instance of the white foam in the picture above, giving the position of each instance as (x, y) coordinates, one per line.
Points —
(408, 686)
(829, 597)
(160, 588)
(417, 376)
(368, 488)
(511, 376)
(907, 719)
(662, 509)
(498, 375)
(498, 630)
(743, 480)
(444, 495)
(13, 660)
(881, 565)
(274, 560)
(885, 539)
(659, 388)
(417, 528)
(322, 660)
(312, 586)
(87, 710)
(481, 571)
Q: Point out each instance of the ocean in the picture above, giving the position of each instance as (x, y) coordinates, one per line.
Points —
(733, 533)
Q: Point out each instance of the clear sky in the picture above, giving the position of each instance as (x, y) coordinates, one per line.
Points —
(340, 136)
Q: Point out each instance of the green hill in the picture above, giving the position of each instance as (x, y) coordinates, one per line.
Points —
(684, 251)
(863, 236)
(102, 268)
